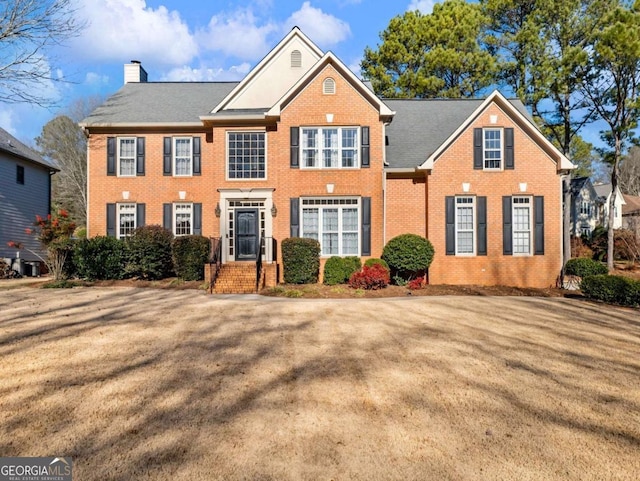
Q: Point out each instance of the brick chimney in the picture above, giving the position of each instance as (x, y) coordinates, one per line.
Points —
(133, 72)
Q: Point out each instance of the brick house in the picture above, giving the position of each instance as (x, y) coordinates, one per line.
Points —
(302, 147)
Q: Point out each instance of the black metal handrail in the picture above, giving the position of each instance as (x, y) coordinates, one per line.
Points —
(259, 262)
(215, 261)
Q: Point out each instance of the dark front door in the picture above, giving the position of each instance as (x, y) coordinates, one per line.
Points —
(246, 234)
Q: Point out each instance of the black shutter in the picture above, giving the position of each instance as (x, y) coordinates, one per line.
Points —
(140, 156)
(507, 228)
(167, 212)
(365, 163)
(538, 212)
(478, 161)
(197, 219)
(294, 213)
(295, 148)
(111, 156)
(167, 159)
(196, 156)
(140, 215)
(366, 226)
(481, 210)
(450, 221)
(508, 149)
(111, 220)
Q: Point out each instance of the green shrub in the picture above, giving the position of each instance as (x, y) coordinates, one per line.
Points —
(338, 270)
(583, 266)
(149, 253)
(374, 261)
(370, 278)
(101, 258)
(190, 253)
(301, 260)
(612, 289)
(408, 255)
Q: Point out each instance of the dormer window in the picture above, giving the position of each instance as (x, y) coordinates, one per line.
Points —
(296, 59)
(329, 86)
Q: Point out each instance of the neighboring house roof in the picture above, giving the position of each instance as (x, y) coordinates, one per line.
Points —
(632, 206)
(11, 145)
(159, 103)
(604, 191)
(577, 184)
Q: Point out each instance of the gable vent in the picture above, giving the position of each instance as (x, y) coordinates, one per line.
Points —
(329, 86)
(296, 59)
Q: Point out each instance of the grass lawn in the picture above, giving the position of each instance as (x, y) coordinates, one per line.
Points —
(154, 384)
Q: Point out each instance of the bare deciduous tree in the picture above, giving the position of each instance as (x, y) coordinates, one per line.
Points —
(28, 28)
(630, 172)
(64, 142)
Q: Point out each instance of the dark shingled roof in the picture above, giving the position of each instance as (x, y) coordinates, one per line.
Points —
(160, 102)
(577, 184)
(420, 126)
(11, 145)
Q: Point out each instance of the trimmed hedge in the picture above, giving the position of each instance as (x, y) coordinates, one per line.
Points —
(374, 260)
(149, 253)
(190, 253)
(583, 267)
(300, 260)
(612, 289)
(338, 270)
(408, 255)
(99, 258)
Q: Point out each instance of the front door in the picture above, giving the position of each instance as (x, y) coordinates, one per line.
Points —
(246, 234)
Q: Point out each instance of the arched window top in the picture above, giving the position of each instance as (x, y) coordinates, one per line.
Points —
(329, 86)
(296, 59)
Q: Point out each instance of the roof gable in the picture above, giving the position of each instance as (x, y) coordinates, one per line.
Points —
(522, 120)
(274, 75)
(330, 59)
(9, 144)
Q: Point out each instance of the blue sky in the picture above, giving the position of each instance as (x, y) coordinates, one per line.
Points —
(195, 40)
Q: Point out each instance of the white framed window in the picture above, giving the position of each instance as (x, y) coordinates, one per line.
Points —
(492, 144)
(585, 207)
(127, 221)
(330, 148)
(126, 156)
(334, 222)
(522, 218)
(182, 219)
(585, 231)
(465, 219)
(246, 155)
(182, 156)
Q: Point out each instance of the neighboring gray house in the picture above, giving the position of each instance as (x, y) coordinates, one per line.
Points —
(586, 207)
(604, 192)
(25, 191)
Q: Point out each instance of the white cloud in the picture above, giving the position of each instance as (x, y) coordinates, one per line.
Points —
(93, 78)
(425, 6)
(322, 28)
(7, 116)
(127, 29)
(206, 74)
(238, 34)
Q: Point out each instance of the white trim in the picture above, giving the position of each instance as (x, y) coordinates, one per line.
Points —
(319, 148)
(295, 32)
(174, 215)
(119, 206)
(334, 203)
(118, 156)
(562, 162)
(531, 230)
(329, 57)
(174, 152)
(226, 160)
(484, 149)
(474, 223)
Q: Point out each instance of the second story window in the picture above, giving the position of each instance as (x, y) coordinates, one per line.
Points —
(182, 158)
(492, 149)
(329, 147)
(246, 155)
(20, 174)
(127, 156)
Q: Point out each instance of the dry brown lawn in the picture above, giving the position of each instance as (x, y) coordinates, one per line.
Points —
(140, 384)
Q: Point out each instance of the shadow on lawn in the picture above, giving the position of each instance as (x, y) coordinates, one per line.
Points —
(183, 383)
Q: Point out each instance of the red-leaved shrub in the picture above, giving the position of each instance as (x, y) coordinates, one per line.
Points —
(370, 277)
(417, 283)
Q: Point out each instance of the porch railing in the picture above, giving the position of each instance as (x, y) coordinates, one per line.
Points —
(215, 261)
